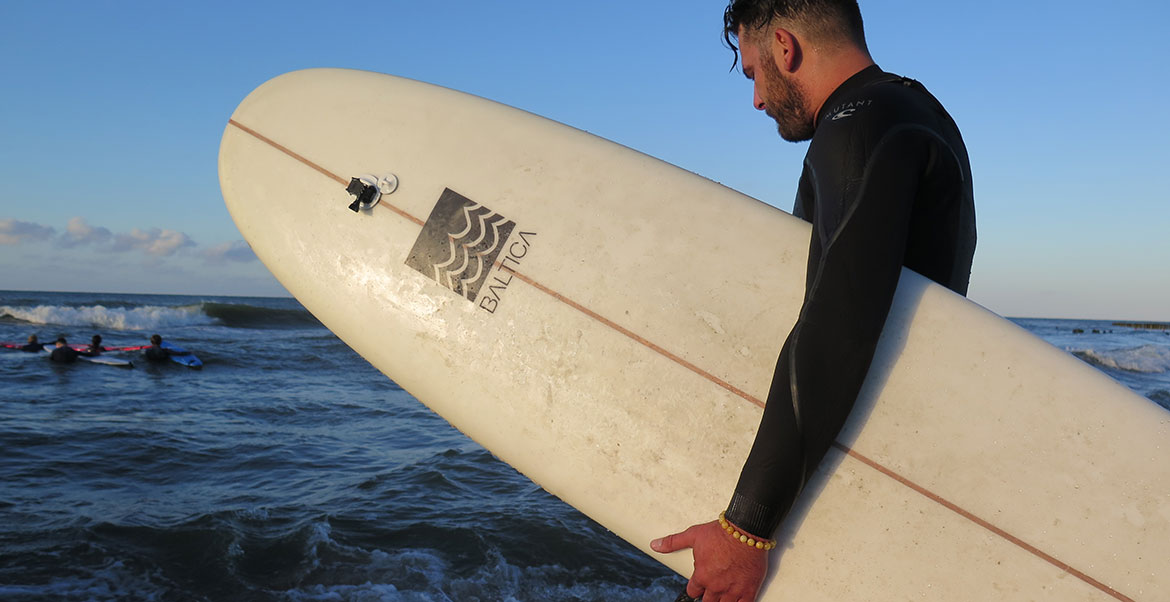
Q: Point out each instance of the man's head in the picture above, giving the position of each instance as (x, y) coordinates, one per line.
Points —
(61, 342)
(32, 338)
(777, 39)
(155, 339)
(824, 22)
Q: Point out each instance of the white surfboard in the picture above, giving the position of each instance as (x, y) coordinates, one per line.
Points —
(608, 324)
(106, 361)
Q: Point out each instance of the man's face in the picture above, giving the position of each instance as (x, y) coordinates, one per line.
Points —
(781, 97)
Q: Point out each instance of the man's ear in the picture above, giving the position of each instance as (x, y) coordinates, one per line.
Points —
(785, 50)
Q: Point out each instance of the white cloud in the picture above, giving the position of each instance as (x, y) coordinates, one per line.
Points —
(15, 232)
(79, 233)
(237, 251)
(160, 243)
(154, 242)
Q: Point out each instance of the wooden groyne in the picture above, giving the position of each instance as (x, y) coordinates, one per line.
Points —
(1144, 325)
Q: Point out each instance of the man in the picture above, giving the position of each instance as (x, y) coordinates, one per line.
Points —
(33, 345)
(63, 353)
(156, 352)
(95, 346)
(886, 183)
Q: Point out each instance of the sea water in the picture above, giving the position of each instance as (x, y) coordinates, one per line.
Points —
(289, 469)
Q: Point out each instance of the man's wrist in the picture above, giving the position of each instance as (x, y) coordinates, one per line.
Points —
(742, 536)
(752, 517)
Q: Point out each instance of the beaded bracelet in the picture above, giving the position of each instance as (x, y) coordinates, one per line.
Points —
(759, 544)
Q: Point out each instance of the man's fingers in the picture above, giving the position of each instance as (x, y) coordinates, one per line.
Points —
(674, 543)
(694, 590)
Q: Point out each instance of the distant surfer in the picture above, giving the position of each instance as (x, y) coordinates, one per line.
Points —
(156, 352)
(886, 183)
(95, 346)
(62, 352)
(33, 346)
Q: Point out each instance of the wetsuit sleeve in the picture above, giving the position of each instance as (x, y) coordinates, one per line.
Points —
(853, 270)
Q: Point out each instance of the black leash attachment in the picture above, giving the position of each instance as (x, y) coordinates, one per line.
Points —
(367, 190)
(364, 195)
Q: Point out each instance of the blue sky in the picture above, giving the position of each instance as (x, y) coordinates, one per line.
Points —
(111, 115)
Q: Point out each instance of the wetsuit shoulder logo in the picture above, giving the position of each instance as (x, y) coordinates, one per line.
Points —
(848, 109)
(459, 244)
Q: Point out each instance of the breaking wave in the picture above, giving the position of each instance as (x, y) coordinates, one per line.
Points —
(1146, 359)
(158, 317)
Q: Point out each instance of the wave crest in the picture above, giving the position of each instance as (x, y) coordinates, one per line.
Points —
(109, 318)
(1146, 359)
(158, 317)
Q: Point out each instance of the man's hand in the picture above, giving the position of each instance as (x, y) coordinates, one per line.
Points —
(726, 570)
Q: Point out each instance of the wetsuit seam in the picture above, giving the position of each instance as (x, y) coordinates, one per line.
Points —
(865, 177)
(797, 419)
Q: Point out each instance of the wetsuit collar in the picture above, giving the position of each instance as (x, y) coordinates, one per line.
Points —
(856, 81)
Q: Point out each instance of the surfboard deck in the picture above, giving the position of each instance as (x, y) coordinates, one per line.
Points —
(106, 361)
(182, 356)
(608, 324)
(178, 355)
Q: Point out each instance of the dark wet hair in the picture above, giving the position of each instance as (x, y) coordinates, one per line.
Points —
(61, 339)
(155, 339)
(97, 338)
(829, 18)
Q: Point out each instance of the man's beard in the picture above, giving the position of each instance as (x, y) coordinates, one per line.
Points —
(786, 103)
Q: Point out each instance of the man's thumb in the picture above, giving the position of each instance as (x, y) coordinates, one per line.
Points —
(673, 543)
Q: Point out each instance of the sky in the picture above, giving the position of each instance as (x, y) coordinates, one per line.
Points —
(111, 113)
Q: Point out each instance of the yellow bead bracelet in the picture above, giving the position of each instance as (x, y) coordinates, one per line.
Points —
(759, 544)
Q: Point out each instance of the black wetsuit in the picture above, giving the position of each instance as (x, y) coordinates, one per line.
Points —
(33, 347)
(156, 353)
(64, 355)
(886, 183)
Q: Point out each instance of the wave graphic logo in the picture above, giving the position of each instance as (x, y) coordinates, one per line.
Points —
(459, 244)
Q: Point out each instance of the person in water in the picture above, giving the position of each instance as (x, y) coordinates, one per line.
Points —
(156, 352)
(886, 183)
(95, 346)
(33, 346)
(63, 353)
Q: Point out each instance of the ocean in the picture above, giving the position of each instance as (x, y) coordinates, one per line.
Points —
(289, 469)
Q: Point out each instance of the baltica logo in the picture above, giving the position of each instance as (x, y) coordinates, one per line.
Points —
(459, 244)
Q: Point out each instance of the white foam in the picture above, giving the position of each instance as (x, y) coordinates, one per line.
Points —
(147, 317)
(1146, 359)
